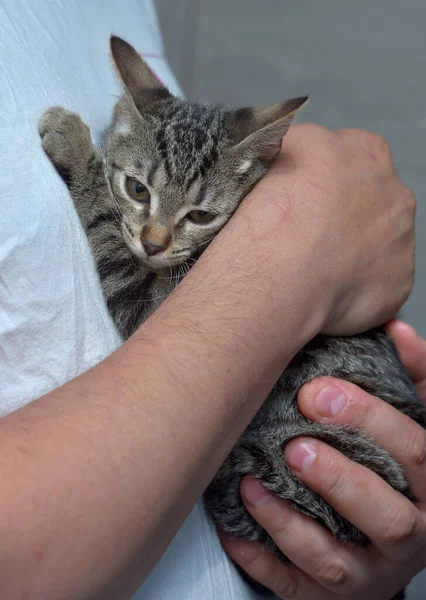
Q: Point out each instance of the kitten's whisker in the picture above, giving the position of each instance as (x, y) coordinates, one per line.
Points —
(171, 275)
(205, 242)
(147, 301)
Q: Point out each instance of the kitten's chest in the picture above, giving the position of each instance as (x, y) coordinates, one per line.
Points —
(162, 285)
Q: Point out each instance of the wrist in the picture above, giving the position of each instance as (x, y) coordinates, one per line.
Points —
(273, 212)
(232, 308)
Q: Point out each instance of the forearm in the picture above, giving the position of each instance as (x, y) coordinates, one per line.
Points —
(107, 467)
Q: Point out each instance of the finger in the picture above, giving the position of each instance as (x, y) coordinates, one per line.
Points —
(373, 145)
(308, 545)
(264, 567)
(285, 581)
(411, 349)
(389, 520)
(328, 400)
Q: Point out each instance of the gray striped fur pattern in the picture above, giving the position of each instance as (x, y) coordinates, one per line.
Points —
(169, 175)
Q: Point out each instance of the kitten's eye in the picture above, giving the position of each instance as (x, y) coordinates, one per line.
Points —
(200, 216)
(137, 190)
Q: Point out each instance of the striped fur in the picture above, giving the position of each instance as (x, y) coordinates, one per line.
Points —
(191, 156)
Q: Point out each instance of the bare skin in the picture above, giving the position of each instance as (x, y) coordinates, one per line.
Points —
(98, 475)
(323, 568)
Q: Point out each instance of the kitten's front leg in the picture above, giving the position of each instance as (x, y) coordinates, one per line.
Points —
(126, 284)
(67, 142)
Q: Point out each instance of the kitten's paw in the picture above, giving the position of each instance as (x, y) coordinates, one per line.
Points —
(65, 139)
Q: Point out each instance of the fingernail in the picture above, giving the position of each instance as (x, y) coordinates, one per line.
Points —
(300, 455)
(254, 491)
(330, 401)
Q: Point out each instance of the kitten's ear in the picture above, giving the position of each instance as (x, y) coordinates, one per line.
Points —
(135, 74)
(259, 132)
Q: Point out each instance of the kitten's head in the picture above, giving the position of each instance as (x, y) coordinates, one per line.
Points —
(178, 169)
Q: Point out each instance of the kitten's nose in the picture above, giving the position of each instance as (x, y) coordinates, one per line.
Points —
(151, 248)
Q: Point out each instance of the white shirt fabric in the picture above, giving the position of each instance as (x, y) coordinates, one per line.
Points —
(53, 321)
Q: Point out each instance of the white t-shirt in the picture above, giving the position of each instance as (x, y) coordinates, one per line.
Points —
(53, 321)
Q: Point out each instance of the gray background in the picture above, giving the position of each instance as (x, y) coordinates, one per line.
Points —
(363, 64)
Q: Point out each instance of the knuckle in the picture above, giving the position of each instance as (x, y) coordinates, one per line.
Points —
(406, 293)
(285, 586)
(336, 482)
(381, 144)
(405, 289)
(376, 146)
(249, 560)
(416, 446)
(282, 581)
(334, 575)
(379, 149)
(278, 528)
(400, 527)
(409, 198)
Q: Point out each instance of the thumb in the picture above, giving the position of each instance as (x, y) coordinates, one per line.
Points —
(411, 349)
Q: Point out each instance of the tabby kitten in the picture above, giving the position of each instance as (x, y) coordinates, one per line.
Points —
(168, 177)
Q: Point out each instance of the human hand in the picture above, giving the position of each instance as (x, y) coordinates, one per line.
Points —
(323, 568)
(338, 194)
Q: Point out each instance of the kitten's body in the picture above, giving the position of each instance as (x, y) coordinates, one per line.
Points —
(193, 156)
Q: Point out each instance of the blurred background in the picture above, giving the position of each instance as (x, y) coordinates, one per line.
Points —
(363, 64)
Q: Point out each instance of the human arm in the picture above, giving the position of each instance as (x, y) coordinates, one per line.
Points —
(397, 528)
(99, 474)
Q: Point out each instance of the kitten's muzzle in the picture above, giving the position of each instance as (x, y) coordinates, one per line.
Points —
(151, 249)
